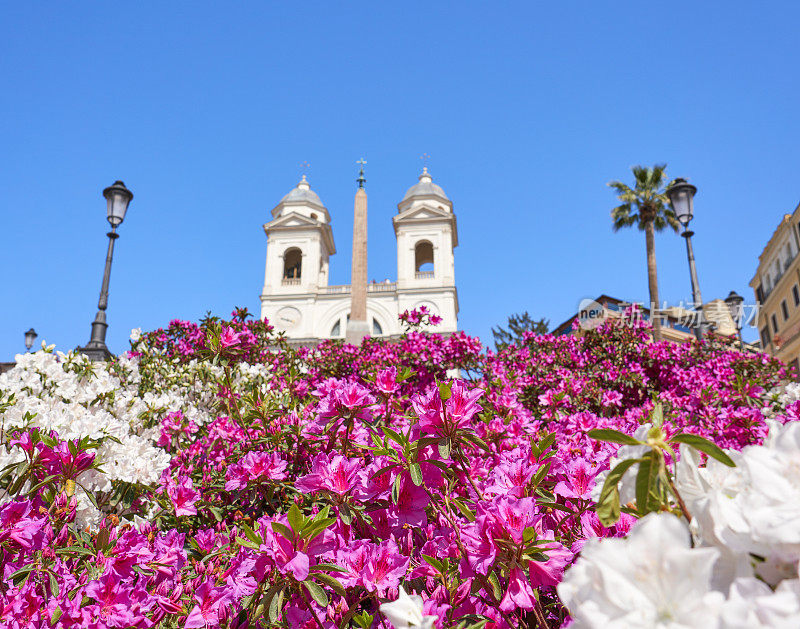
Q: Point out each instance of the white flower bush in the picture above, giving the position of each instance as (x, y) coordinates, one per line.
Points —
(652, 578)
(733, 565)
(753, 508)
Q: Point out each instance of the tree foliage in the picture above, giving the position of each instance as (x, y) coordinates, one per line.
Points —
(518, 325)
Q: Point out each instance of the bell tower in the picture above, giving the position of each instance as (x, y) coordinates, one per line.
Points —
(425, 228)
(299, 246)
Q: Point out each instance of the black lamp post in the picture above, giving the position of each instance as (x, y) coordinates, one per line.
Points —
(117, 199)
(735, 301)
(681, 197)
(30, 337)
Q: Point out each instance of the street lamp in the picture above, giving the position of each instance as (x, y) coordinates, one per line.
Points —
(30, 337)
(681, 197)
(117, 199)
(735, 301)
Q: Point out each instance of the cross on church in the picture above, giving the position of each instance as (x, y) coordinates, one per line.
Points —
(425, 157)
(304, 166)
(361, 179)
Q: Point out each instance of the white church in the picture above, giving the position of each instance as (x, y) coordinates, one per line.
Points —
(297, 298)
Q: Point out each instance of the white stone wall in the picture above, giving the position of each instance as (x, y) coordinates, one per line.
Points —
(313, 315)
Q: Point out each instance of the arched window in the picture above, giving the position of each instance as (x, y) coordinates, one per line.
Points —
(292, 264)
(336, 330)
(377, 330)
(423, 259)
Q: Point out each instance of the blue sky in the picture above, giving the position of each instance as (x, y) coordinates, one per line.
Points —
(206, 111)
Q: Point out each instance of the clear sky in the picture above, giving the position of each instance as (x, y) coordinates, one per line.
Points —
(206, 111)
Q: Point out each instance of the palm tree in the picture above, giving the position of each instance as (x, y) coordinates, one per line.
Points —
(647, 207)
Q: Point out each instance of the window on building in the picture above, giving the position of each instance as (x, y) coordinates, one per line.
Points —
(292, 264)
(784, 310)
(336, 330)
(423, 257)
(765, 339)
(760, 293)
(377, 330)
(774, 320)
(796, 295)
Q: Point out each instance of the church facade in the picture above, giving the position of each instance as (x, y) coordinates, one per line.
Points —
(297, 297)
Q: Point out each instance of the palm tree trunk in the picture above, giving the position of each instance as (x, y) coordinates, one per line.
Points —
(652, 279)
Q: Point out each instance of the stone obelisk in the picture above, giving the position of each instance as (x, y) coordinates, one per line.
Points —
(357, 325)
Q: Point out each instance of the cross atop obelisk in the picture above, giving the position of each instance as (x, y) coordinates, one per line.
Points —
(357, 325)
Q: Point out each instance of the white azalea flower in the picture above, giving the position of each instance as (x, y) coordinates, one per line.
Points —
(136, 334)
(651, 579)
(406, 612)
(754, 507)
(752, 604)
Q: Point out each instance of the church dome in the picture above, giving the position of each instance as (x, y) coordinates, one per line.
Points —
(302, 193)
(425, 188)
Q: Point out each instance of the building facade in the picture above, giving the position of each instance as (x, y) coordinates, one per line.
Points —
(675, 322)
(297, 297)
(776, 285)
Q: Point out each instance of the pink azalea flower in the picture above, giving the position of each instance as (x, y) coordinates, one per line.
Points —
(183, 496)
(386, 381)
(229, 338)
(547, 573)
(19, 525)
(335, 474)
(385, 567)
(206, 612)
(253, 467)
(519, 593)
(579, 482)
(353, 558)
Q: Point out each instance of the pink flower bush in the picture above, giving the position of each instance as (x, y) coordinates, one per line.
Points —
(319, 486)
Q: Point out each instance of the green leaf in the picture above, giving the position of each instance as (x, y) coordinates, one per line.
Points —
(704, 445)
(416, 474)
(608, 507)
(496, 589)
(445, 391)
(317, 593)
(80, 550)
(473, 438)
(394, 436)
(546, 442)
(383, 470)
(275, 606)
(21, 572)
(465, 511)
(251, 534)
(296, 519)
(246, 543)
(345, 514)
(657, 415)
(614, 436)
(646, 481)
(436, 564)
(444, 448)
(284, 530)
(540, 474)
(330, 567)
(53, 583)
(396, 489)
(528, 534)
(331, 581)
